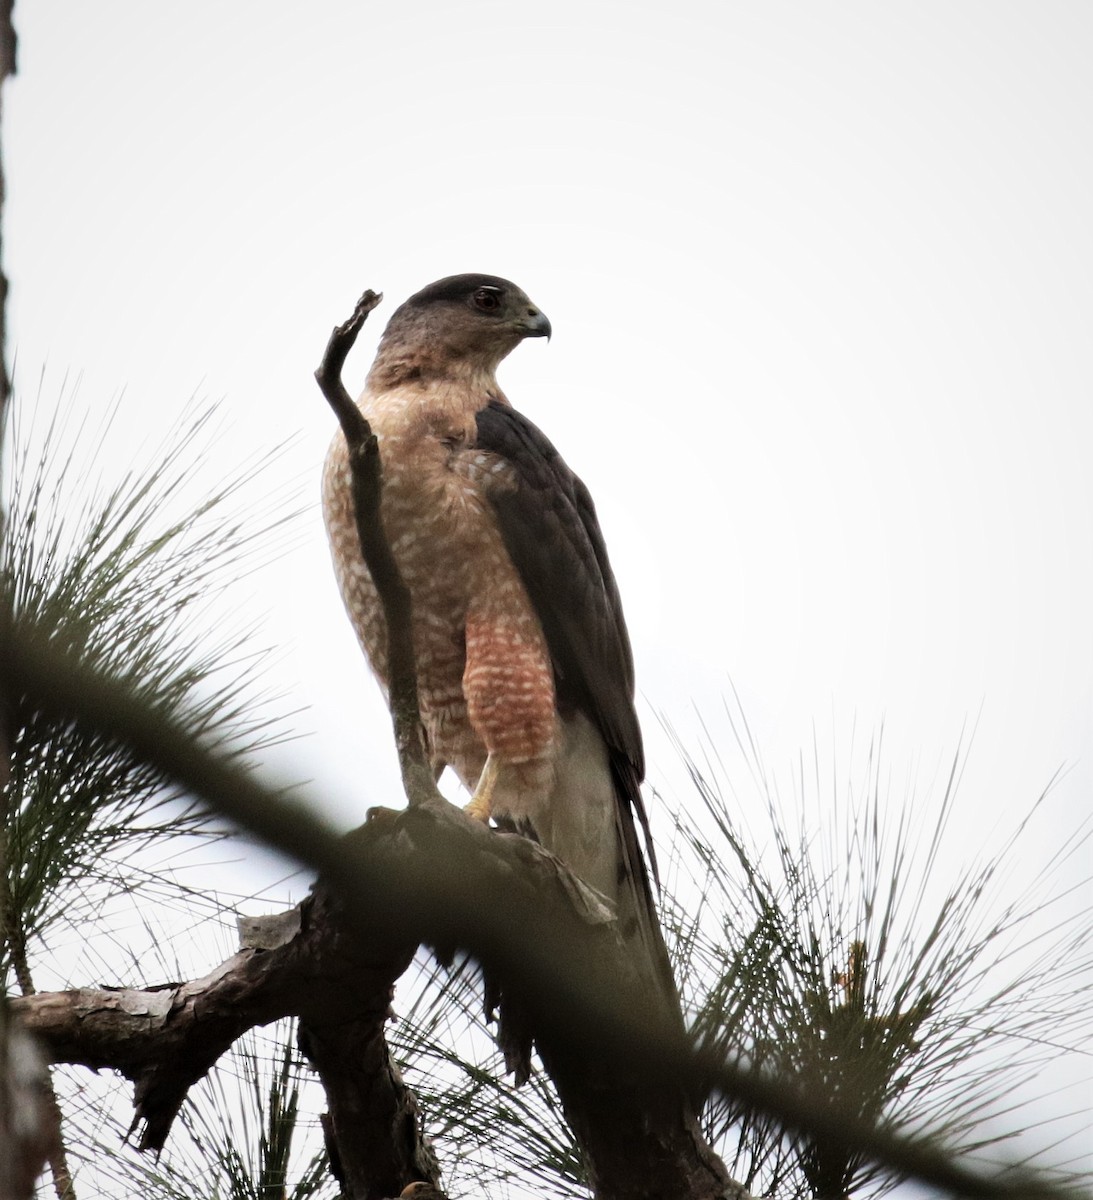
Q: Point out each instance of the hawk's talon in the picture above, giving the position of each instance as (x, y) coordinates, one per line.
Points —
(479, 809)
(481, 805)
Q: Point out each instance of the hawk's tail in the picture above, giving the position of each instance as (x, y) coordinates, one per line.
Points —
(638, 919)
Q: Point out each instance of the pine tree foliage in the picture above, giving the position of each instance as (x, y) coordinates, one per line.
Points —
(490, 1135)
(838, 952)
(128, 578)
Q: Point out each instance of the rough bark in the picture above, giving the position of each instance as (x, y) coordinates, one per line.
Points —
(373, 1125)
(307, 963)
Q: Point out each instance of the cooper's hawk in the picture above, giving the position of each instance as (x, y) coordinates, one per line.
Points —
(525, 675)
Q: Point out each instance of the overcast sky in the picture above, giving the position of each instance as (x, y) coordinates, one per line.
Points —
(821, 283)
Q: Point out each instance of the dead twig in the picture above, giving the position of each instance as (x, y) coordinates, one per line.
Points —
(367, 486)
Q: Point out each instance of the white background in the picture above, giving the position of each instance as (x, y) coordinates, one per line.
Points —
(821, 281)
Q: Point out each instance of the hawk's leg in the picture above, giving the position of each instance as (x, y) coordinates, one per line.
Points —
(481, 805)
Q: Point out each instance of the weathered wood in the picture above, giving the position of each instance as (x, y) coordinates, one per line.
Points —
(307, 963)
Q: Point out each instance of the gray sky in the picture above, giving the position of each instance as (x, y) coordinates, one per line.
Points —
(821, 280)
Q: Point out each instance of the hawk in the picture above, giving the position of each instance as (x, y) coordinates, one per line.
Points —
(525, 674)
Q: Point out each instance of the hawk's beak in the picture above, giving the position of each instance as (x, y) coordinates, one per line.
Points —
(536, 325)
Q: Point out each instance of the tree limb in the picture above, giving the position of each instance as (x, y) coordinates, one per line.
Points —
(366, 470)
(311, 965)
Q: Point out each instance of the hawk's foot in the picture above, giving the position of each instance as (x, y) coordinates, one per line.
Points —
(481, 805)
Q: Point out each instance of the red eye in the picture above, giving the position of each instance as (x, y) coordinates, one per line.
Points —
(488, 299)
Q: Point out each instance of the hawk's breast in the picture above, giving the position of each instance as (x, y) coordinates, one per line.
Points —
(484, 673)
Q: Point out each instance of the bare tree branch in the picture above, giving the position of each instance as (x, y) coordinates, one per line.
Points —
(367, 484)
(373, 1125)
(305, 963)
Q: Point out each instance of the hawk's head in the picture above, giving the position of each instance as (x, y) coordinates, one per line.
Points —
(462, 321)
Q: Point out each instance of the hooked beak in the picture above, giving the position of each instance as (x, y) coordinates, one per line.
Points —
(535, 325)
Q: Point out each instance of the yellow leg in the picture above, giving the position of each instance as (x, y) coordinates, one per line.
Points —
(481, 805)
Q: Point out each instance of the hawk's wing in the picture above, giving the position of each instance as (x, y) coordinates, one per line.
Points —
(549, 526)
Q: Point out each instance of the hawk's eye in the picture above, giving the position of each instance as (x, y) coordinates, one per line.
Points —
(488, 299)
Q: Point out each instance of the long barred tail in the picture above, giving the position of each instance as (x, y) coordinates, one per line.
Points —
(638, 920)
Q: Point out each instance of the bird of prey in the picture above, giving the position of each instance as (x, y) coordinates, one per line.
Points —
(525, 674)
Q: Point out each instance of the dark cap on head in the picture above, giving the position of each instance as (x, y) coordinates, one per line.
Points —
(498, 300)
(463, 320)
